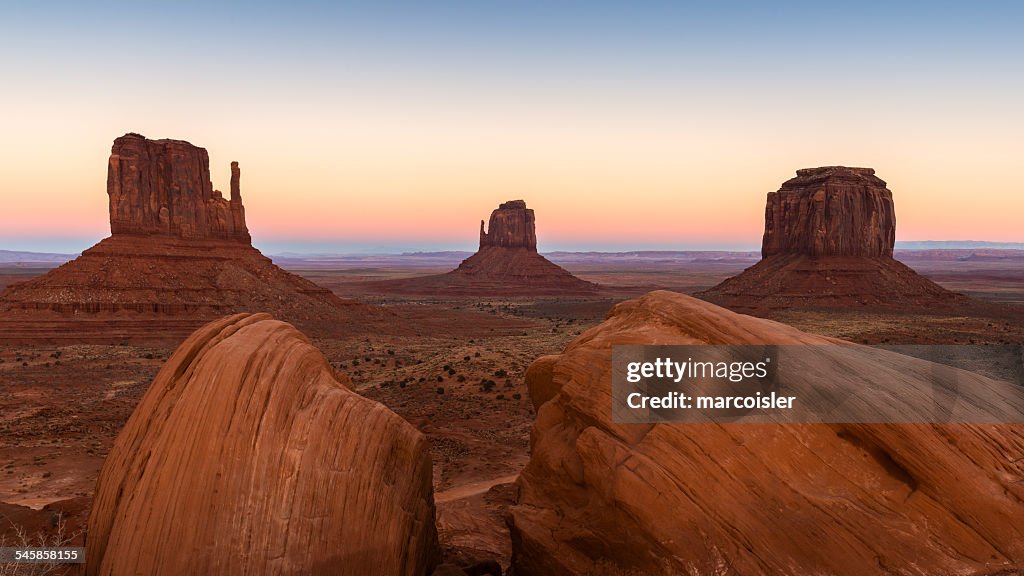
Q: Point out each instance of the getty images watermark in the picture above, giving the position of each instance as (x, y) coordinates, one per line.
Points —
(818, 383)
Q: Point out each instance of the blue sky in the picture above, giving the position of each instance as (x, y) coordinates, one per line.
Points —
(394, 126)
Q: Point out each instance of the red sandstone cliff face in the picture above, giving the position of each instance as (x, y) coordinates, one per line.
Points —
(830, 211)
(600, 497)
(828, 242)
(250, 455)
(164, 187)
(512, 225)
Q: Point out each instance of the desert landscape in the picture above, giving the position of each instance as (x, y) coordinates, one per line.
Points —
(361, 289)
(463, 361)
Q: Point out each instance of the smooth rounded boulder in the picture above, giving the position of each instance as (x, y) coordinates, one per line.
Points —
(603, 497)
(250, 455)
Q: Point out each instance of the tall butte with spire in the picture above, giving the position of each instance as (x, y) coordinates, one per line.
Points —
(828, 243)
(163, 187)
(179, 254)
(507, 263)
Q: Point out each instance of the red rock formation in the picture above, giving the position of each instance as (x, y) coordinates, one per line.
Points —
(512, 225)
(163, 187)
(507, 263)
(178, 257)
(250, 455)
(828, 242)
(598, 497)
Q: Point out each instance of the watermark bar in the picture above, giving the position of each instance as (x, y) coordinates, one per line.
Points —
(32, 555)
(818, 384)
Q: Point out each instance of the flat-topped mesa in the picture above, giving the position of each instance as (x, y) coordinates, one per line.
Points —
(163, 187)
(830, 211)
(512, 225)
(828, 240)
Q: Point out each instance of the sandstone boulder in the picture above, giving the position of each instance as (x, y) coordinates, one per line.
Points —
(249, 454)
(598, 497)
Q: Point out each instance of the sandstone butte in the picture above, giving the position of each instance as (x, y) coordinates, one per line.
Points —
(828, 242)
(507, 263)
(179, 255)
(249, 454)
(599, 497)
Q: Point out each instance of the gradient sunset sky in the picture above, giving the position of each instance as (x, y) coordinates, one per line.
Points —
(385, 126)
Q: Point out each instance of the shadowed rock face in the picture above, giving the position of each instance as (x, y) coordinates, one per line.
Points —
(164, 187)
(249, 454)
(512, 225)
(828, 242)
(830, 211)
(599, 497)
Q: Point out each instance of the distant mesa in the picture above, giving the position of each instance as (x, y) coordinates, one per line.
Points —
(507, 263)
(178, 256)
(602, 497)
(250, 454)
(828, 242)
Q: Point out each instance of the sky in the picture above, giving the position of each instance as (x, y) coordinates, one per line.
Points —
(389, 126)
